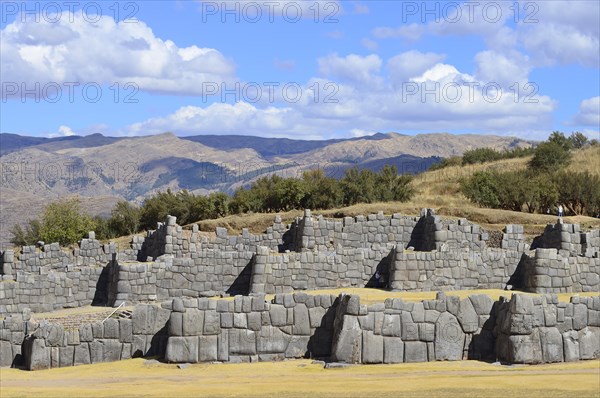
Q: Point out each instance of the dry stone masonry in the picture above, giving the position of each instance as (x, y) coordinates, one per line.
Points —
(172, 275)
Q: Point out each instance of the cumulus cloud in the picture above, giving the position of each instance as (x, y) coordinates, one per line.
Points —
(106, 52)
(551, 32)
(434, 97)
(353, 68)
(589, 113)
(503, 69)
(410, 64)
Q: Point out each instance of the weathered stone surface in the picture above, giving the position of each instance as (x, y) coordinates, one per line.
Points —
(39, 354)
(272, 340)
(571, 346)
(208, 348)
(372, 348)
(297, 347)
(449, 338)
(182, 349)
(589, 343)
(347, 344)
(393, 350)
(525, 348)
(192, 323)
(278, 315)
(301, 320)
(467, 316)
(81, 355)
(242, 342)
(552, 345)
(415, 351)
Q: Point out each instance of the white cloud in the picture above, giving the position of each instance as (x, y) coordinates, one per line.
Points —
(410, 64)
(411, 32)
(439, 97)
(106, 52)
(589, 113)
(503, 69)
(352, 68)
(369, 44)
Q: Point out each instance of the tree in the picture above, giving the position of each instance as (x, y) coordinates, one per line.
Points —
(358, 186)
(578, 140)
(391, 186)
(482, 188)
(550, 156)
(480, 155)
(65, 222)
(559, 138)
(219, 204)
(28, 236)
(124, 219)
(288, 194)
(321, 192)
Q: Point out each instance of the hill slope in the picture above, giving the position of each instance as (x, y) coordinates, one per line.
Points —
(39, 170)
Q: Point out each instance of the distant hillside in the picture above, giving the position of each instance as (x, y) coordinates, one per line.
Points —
(271, 146)
(43, 169)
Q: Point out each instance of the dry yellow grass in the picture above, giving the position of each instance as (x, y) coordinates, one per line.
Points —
(301, 378)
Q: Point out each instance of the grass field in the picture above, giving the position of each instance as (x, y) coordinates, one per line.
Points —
(302, 378)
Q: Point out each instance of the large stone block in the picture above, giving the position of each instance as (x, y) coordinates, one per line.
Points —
(415, 351)
(242, 342)
(192, 322)
(81, 355)
(552, 345)
(272, 340)
(208, 348)
(66, 356)
(347, 341)
(482, 303)
(38, 355)
(125, 330)
(449, 338)
(149, 319)
(297, 347)
(467, 316)
(589, 343)
(580, 316)
(571, 346)
(212, 323)
(372, 348)
(301, 321)
(391, 325)
(393, 350)
(278, 314)
(525, 348)
(182, 349)
(111, 328)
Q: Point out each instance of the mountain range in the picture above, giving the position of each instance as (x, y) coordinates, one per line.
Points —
(103, 170)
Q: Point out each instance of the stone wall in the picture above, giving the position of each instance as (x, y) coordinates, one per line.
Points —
(247, 329)
(52, 345)
(453, 269)
(207, 273)
(540, 329)
(524, 329)
(286, 272)
(424, 233)
(556, 271)
(396, 331)
(173, 262)
(569, 238)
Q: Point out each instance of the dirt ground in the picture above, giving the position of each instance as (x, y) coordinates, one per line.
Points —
(302, 378)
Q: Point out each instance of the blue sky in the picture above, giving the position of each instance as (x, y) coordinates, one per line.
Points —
(300, 69)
